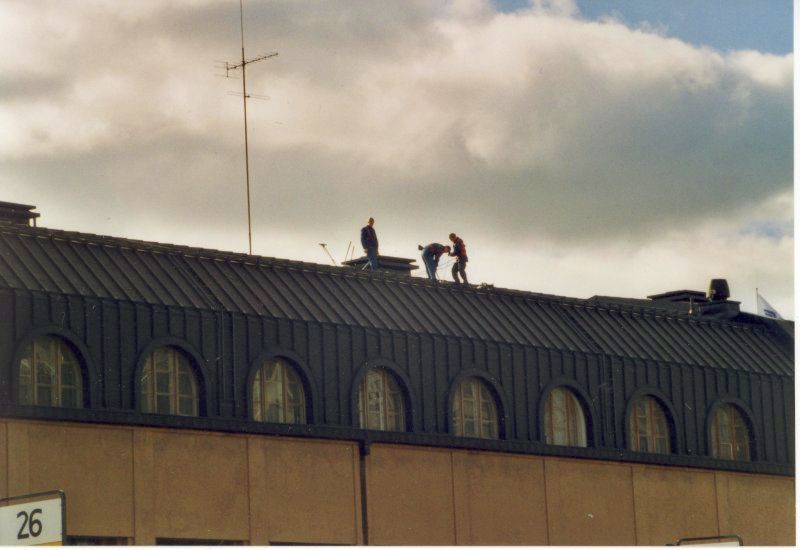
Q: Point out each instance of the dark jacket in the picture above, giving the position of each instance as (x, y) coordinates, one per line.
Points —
(459, 249)
(434, 249)
(369, 239)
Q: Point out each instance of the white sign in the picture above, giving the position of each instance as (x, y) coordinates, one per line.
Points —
(32, 523)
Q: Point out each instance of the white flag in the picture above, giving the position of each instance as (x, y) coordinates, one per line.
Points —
(766, 310)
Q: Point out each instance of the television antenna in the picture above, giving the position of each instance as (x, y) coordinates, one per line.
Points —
(245, 96)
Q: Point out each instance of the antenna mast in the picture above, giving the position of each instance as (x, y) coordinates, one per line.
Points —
(232, 67)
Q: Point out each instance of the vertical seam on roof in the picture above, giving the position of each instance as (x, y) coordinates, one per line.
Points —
(273, 287)
(643, 336)
(706, 333)
(12, 269)
(269, 297)
(48, 264)
(400, 301)
(514, 306)
(157, 285)
(128, 273)
(594, 347)
(758, 352)
(561, 326)
(479, 324)
(447, 319)
(38, 276)
(287, 277)
(331, 292)
(600, 333)
(410, 293)
(75, 279)
(104, 291)
(228, 272)
(213, 303)
(375, 303)
(167, 262)
(125, 293)
(746, 360)
(362, 305)
(128, 255)
(532, 312)
(575, 336)
(320, 297)
(499, 313)
(658, 341)
(222, 287)
(687, 330)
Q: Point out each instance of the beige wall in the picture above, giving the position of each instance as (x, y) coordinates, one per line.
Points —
(143, 483)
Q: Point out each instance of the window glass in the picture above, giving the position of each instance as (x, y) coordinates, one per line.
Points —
(564, 422)
(277, 394)
(730, 437)
(474, 410)
(380, 402)
(50, 374)
(648, 427)
(168, 384)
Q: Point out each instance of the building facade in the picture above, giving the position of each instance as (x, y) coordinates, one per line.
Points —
(189, 395)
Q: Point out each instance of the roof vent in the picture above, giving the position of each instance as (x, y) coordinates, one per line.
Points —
(718, 290)
(12, 213)
(389, 264)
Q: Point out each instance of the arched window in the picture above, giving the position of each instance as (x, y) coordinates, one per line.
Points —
(648, 427)
(168, 384)
(278, 394)
(474, 410)
(49, 374)
(730, 438)
(564, 422)
(380, 402)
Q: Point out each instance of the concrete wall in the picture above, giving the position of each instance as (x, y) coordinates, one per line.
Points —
(144, 484)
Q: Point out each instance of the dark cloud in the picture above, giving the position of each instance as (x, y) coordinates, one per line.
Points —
(534, 130)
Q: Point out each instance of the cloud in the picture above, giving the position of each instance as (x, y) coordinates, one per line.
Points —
(534, 128)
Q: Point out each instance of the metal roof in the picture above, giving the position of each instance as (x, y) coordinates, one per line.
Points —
(61, 262)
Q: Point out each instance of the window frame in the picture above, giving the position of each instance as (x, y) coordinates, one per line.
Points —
(577, 426)
(174, 392)
(485, 393)
(736, 413)
(653, 404)
(259, 380)
(64, 348)
(388, 377)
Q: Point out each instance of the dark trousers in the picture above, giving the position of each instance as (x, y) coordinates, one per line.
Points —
(431, 262)
(372, 254)
(460, 267)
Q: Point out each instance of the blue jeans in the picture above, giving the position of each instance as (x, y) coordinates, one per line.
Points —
(372, 254)
(430, 261)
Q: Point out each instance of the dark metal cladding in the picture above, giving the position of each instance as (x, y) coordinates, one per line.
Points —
(114, 297)
(38, 259)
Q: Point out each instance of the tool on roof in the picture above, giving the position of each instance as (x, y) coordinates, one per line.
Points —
(325, 248)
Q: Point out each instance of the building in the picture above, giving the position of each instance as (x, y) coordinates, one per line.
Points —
(182, 395)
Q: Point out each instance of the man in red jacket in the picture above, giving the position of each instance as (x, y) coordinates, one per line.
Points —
(460, 254)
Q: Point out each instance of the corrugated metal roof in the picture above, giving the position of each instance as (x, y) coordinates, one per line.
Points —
(40, 259)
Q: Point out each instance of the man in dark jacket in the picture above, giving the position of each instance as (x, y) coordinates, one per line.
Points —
(430, 257)
(460, 254)
(369, 242)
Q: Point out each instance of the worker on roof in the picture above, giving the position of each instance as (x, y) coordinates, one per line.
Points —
(430, 257)
(369, 242)
(460, 254)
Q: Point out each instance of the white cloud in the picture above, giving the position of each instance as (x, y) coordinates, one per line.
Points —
(591, 147)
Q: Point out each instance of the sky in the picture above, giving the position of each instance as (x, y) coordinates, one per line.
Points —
(616, 148)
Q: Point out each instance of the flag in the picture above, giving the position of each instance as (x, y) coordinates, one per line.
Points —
(766, 310)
